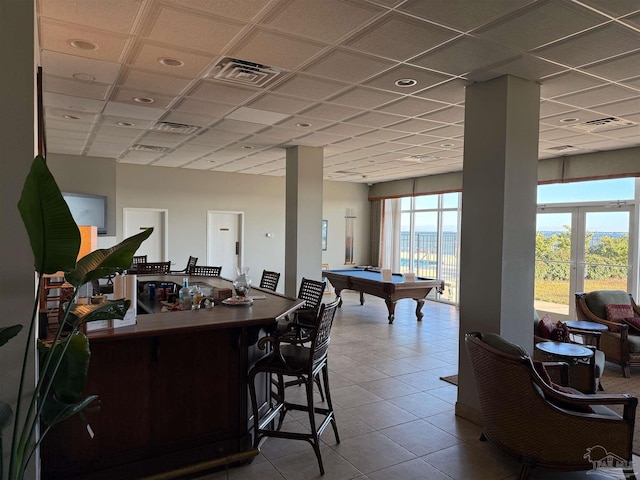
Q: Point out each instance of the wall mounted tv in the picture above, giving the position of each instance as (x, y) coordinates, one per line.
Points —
(88, 210)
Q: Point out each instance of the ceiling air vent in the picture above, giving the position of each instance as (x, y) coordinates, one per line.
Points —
(151, 148)
(563, 148)
(245, 73)
(175, 128)
(603, 124)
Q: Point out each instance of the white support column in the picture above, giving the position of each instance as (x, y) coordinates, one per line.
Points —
(497, 248)
(303, 238)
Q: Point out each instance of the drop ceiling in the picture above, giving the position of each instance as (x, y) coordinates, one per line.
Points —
(228, 85)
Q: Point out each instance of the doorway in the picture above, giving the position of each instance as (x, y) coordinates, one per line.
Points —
(137, 219)
(225, 232)
(580, 249)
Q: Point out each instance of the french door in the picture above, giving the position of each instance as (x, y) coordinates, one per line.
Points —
(580, 249)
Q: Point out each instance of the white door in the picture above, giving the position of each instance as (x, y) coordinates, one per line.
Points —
(137, 219)
(224, 241)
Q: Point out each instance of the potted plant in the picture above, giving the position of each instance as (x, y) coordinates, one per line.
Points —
(64, 360)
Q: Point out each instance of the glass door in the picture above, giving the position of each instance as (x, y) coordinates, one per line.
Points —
(580, 249)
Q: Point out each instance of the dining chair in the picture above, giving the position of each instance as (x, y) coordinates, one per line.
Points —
(300, 353)
(190, 264)
(269, 280)
(153, 268)
(136, 260)
(206, 271)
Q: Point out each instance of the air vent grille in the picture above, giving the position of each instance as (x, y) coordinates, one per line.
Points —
(245, 73)
(603, 124)
(175, 128)
(151, 148)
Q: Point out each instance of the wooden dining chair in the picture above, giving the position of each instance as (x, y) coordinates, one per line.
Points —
(269, 280)
(153, 268)
(206, 271)
(137, 259)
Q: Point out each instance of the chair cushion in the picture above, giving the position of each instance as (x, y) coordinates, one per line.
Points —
(617, 313)
(599, 361)
(598, 299)
(499, 343)
(634, 341)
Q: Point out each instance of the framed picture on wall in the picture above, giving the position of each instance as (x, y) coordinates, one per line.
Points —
(325, 224)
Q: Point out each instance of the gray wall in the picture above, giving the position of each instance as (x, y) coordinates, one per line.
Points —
(189, 194)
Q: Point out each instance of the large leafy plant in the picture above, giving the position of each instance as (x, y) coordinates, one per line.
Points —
(63, 360)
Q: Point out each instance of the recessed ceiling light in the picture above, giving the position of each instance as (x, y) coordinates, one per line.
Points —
(569, 120)
(77, 108)
(247, 147)
(447, 145)
(71, 117)
(171, 62)
(126, 124)
(303, 125)
(406, 82)
(83, 44)
(143, 99)
(84, 77)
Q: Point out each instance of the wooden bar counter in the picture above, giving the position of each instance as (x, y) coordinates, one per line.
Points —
(173, 393)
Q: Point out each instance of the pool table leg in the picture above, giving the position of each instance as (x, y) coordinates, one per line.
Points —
(391, 307)
(361, 298)
(339, 297)
(419, 304)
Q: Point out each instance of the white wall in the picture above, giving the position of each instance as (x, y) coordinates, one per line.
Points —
(188, 194)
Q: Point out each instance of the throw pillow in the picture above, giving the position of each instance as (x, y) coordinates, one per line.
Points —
(546, 327)
(539, 367)
(634, 324)
(560, 332)
(615, 313)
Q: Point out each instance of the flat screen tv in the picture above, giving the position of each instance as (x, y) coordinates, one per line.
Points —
(88, 210)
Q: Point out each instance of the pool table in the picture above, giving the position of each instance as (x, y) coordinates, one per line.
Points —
(370, 281)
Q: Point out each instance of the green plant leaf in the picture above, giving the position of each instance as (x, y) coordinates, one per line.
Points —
(101, 263)
(71, 376)
(53, 234)
(80, 314)
(7, 333)
(55, 411)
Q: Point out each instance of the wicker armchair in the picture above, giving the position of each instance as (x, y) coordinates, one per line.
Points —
(618, 343)
(544, 435)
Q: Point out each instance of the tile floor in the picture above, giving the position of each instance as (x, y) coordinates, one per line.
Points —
(395, 416)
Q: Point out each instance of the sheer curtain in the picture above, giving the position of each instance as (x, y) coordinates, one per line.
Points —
(375, 233)
(390, 248)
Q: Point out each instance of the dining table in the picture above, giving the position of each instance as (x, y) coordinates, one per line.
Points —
(172, 389)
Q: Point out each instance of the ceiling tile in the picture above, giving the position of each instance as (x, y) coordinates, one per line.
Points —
(617, 8)
(219, 92)
(454, 114)
(204, 108)
(376, 119)
(275, 50)
(527, 67)
(187, 118)
(62, 65)
(76, 104)
(125, 110)
(592, 46)
(461, 14)
(246, 9)
(346, 129)
(191, 30)
(68, 87)
(400, 37)
(452, 91)
(597, 96)
(348, 66)
(148, 57)
(328, 111)
(305, 86)
(566, 83)
(125, 95)
(415, 125)
(465, 55)
(57, 37)
(324, 21)
(541, 23)
(619, 68)
(154, 82)
(424, 79)
(280, 103)
(362, 97)
(115, 15)
(236, 126)
(411, 106)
